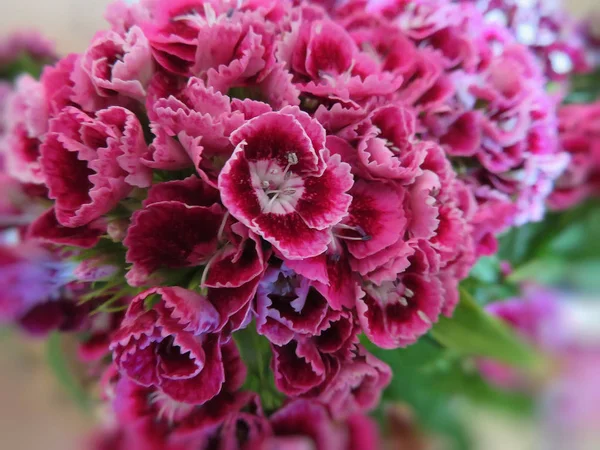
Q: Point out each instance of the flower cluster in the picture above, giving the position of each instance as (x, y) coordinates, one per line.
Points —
(285, 170)
(477, 93)
(148, 420)
(542, 25)
(579, 129)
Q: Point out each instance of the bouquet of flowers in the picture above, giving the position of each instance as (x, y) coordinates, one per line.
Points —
(237, 206)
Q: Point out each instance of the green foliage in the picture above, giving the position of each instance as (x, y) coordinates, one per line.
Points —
(256, 354)
(562, 251)
(438, 374)
(436, 382)
(486, 282)
(584, 88)
(62, 369)
(24, 63)
(473, 332)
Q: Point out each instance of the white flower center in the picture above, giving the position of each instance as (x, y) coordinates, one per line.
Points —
(278, 190)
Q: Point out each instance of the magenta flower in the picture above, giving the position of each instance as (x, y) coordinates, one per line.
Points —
(477, 93)
(282, 184)
(26, 119)
(193, 125)
(173, 345)
(31, 43)
(396, 313)
(326, 63)
(47, 229)
(288, 307)
(302, 423)
(171, 233)
(173, 34)
(578, 129)
(358, 386)
(31, 275)
(347, 379)
(548, 30)
(119, 64)
(91, 163)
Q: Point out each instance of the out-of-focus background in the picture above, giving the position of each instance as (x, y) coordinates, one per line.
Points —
(37, 413)
(72, 23)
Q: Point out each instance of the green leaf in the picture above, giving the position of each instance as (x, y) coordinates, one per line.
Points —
(62, 370)
(557, 251)
(24, 63)
(473, 332)
(436, 383)
(584, 88)
(417, 371)
(255, 351)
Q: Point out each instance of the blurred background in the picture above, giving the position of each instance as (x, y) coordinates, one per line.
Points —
(37, 412)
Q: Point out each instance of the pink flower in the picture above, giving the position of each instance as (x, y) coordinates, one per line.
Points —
(30, 43)
(235, 52)
(300, 368)
(31, 275)
(168, 232)
(94, 269)
(386, 147)
(476, 92)
(188, 38)
(347, 379)
(549, 31)
(374, 230)
(358, 386)
(119, 65)
(202, 120)
(578, 129)
(123, 15)
(304, 424)
(234, 422)
(287, 307)
(202, 235)
(172, 345)
(26, 120)
(396, 313)
(62, 314)
(58, 83)
(91, 163)
(101, 327)
(283, 185)
(19, 203)
(47, 229)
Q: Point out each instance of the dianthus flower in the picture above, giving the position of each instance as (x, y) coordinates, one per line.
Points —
(478, 93)
(546, 28)
(288, 171)
(579, 128)
(150, 419)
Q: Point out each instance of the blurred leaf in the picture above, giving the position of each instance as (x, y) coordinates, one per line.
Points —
(436, 382)
(584, 88)
(24, 63)
(558, 250)
(487, 283)
(255, 351)
(543, 271)
(473, 332)
(486, 270)
(416, 372)
(63, 371)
